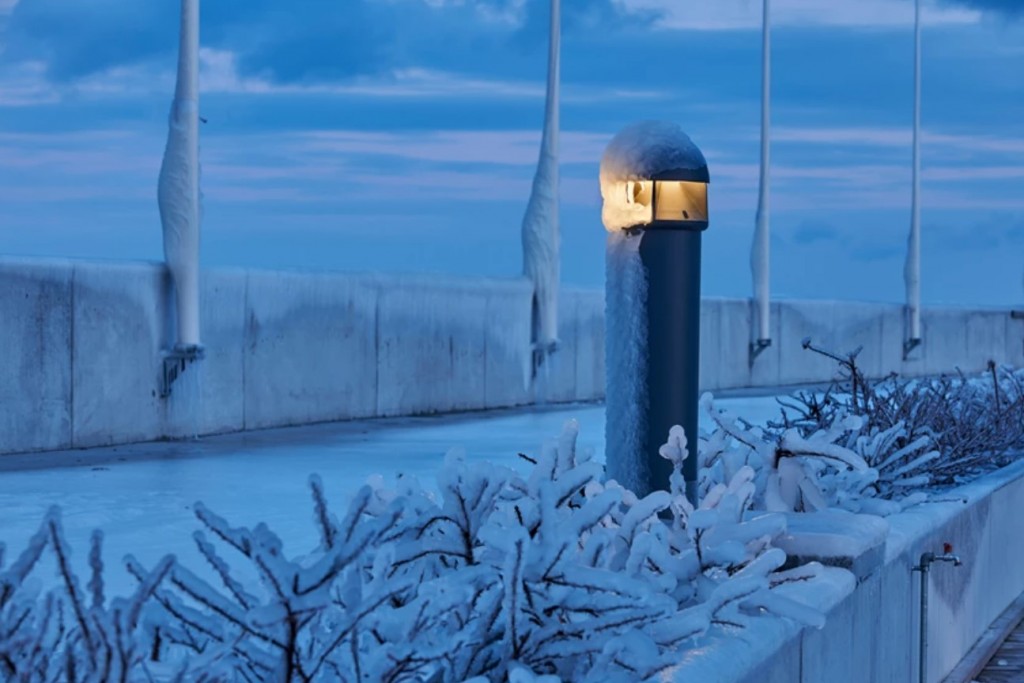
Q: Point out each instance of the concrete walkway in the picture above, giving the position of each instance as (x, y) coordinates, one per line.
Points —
(1007, 666)
(998, 656)
(142, 495)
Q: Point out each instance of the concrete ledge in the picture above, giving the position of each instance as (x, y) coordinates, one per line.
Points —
(310, 348)
(222, 385)
(556, 381)
(771, 649)
(590, 360)
(83, 341)
(431, 347)
(836, 538)
(120, 327)
(871, 631)
(767, 369)
(35, 355)
(507, 371)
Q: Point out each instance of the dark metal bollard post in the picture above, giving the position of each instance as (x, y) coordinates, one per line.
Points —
(671, 258)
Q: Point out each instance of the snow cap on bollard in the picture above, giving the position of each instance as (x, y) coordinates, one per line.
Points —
(653, 176)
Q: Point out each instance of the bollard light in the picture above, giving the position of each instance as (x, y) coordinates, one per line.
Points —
(670, 201)
(654, 184)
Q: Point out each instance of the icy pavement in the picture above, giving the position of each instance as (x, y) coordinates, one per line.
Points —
(141, 495)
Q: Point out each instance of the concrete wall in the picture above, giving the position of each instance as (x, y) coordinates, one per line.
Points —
(871, 632)
(81, 349)
(35, 356)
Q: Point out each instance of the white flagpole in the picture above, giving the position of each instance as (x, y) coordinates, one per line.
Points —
(178, 188)
(912, 269)
(760, 257)
(540, 230)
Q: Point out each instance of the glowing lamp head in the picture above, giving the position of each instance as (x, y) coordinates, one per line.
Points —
(654, 177)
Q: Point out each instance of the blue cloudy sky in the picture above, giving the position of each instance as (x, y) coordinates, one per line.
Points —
(401, 135)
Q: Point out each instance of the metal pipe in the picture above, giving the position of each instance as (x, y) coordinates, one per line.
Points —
(926, 560)
(922, 653)
(672, 264)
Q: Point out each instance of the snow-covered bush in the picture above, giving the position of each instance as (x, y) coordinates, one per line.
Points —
(555, 574)
(499, 577)
(67, 634)
(793, 471)
(871, 446)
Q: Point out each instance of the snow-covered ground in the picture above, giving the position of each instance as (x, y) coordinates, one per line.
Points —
(141, 496)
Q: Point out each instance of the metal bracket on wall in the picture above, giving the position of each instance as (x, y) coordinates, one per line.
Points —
(174, 363)
(909, 346)
(757, 348)
(540, 354)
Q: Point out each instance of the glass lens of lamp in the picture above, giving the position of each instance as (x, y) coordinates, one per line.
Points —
(681, 201)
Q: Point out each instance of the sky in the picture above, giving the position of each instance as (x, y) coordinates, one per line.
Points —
(402, 135)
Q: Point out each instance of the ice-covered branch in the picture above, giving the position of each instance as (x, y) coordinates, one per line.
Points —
(554, 574)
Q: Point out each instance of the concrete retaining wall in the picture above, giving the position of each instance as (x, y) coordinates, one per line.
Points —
(81, 349)
(871, 632)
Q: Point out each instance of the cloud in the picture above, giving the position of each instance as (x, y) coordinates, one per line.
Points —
(898, 138)
(983, 235)
(312, 39)
(1006, 7)
(294, 42)
(25, 84)
(873, 252)
(296, 167)
(6, 7)
(746, 14)
(220, 75)
(815, 233)
(74, 38)
(501, 148)
(583, 16)
(287, 41)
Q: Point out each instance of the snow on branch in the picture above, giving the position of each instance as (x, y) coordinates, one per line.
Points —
(59, 634)
(552, 574)
(870, 446)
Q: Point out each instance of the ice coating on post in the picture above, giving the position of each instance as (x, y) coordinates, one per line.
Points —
(912, 267)
(178, 189)
(626, 362)
(643, 151)
(760, 255)
(540, 231)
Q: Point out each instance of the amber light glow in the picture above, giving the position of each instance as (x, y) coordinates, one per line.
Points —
(680, 201)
